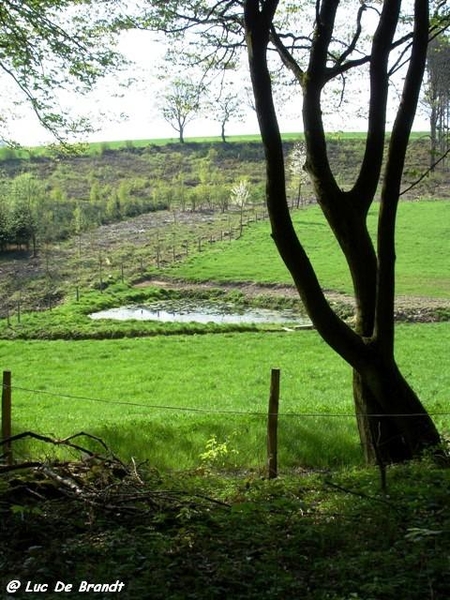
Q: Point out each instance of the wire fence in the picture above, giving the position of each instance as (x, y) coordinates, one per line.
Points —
(152, 407)
(272, 415)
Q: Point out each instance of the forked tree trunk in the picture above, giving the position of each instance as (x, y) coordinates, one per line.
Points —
(393, 424)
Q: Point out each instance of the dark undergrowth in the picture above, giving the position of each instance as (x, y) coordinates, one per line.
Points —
(204, 535)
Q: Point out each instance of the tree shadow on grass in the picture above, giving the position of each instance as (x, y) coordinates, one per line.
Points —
(234, 442)
(179, 442)
(319, 442)
(184, 441)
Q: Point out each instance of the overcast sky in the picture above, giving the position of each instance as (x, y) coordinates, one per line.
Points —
(132, 113)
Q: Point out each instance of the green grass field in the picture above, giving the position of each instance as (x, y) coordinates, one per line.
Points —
(164, 398)
(423, 248)
(173, 398)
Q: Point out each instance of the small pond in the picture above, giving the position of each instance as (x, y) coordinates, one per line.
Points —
(200, 311)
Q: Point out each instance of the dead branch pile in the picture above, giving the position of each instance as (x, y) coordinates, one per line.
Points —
(98, 480)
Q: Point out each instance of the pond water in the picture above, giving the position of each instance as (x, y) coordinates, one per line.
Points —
(200, 311)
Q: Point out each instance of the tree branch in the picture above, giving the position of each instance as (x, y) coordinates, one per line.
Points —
(390, 195)
(426, 173)
(356, 37)
(286, 56)
(366, 184)
(317, 163)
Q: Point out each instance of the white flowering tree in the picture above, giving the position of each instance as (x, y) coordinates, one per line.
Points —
(240, 197)
(299, 177)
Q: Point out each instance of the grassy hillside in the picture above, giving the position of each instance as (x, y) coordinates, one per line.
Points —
(152, 162)
(48, 195)
(422, 252)
(127, 210)
(101, 271)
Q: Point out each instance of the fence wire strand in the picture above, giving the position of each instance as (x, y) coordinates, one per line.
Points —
(223, 411)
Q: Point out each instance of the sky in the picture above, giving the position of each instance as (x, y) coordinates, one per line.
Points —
(117, 113)
(133, 113)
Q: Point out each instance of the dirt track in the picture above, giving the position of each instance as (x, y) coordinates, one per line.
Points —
(19, 270)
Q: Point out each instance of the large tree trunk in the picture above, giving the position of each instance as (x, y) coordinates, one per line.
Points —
(393, 424)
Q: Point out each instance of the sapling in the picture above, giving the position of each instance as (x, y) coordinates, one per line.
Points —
(299, 176)
(240, 196)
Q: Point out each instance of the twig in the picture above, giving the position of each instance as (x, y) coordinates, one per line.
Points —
(363, 495)
(425, 173)
(199, 496)
(66, 442)
(18, 466)
(48, 440)
(135, 473)
(62, 480)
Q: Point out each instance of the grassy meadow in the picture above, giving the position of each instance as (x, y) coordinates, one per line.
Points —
(422, 252)
(183, 401)
(201, 400)
(193, 516)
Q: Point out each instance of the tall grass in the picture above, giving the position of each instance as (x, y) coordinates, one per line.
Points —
(164, 398)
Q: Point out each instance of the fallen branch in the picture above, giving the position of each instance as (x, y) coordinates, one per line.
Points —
(61, 442)
(101, 482)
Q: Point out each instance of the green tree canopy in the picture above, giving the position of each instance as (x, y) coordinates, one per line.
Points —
(51, 45)
(181, 103)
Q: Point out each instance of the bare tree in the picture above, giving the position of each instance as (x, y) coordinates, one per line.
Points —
(225, 107)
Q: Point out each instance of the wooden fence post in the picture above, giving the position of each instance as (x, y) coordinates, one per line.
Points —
(100, 271)
(6, 416)
(272, 424)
